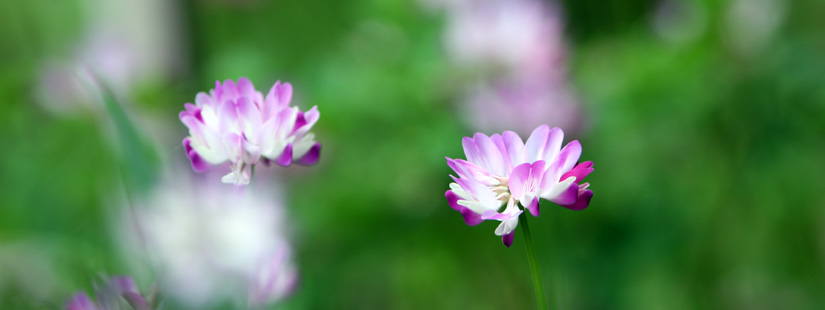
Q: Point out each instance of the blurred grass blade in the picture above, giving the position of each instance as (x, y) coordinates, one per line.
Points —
(138, 159)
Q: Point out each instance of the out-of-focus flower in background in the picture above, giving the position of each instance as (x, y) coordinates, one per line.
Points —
(751, 24)
(521, 37)
(515, 54)
(68, 89)
(236, 123)
(210, 242)
(115, 293)
(679, 21)
(126, 44)
(131, 42)
(503, 170)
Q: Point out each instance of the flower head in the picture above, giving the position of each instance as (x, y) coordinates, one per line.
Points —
(236, 123)
(503, 171)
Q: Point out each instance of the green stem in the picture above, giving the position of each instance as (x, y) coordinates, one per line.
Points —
(534, 265)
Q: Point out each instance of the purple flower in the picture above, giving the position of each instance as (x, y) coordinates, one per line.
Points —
(502, 170)
(236, 123)
(117, 292)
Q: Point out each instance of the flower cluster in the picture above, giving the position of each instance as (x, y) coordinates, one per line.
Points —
(236, 123)
(503, 171)
(117, 292)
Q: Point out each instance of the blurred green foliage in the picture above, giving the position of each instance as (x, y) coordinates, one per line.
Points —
(706, 157)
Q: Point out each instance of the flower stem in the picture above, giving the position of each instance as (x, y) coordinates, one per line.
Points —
(534, 265)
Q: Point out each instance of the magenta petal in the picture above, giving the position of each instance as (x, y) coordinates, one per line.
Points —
(582, 201)
(470, 217)
(507, 239)
(198, 164)
(568, 196)
(452, 199)
(300, 121)
(186, 144)
(286, 156)
(312, 156)
(80, 301)
(534, 207)
(580, 171)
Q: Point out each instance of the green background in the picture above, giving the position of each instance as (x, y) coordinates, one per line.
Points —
(708, 158)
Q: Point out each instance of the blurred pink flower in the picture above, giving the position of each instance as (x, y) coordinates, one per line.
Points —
(516, 53)
(236, 123)
(211, 243)
(501, 170)
(126, 43)
(517, 37)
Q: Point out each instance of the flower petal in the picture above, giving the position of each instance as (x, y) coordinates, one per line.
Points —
(568, 196)
(557, 189)
(507, 239)
(569, 155)
(470, 217)
(514, 147)
(554, 140)
(471, 151)
(286, 156)
(533, 206)
(534, 148)
(580, 171)
(494, 162)
(245, 88)
(452, 199)
(517, 179)
(311, 157)
(582, 201)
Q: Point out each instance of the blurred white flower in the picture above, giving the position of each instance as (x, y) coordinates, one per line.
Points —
(126, 43)
(679, 21)
(211, 242)
(131, 41)
(751, 24)
(68, 89)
